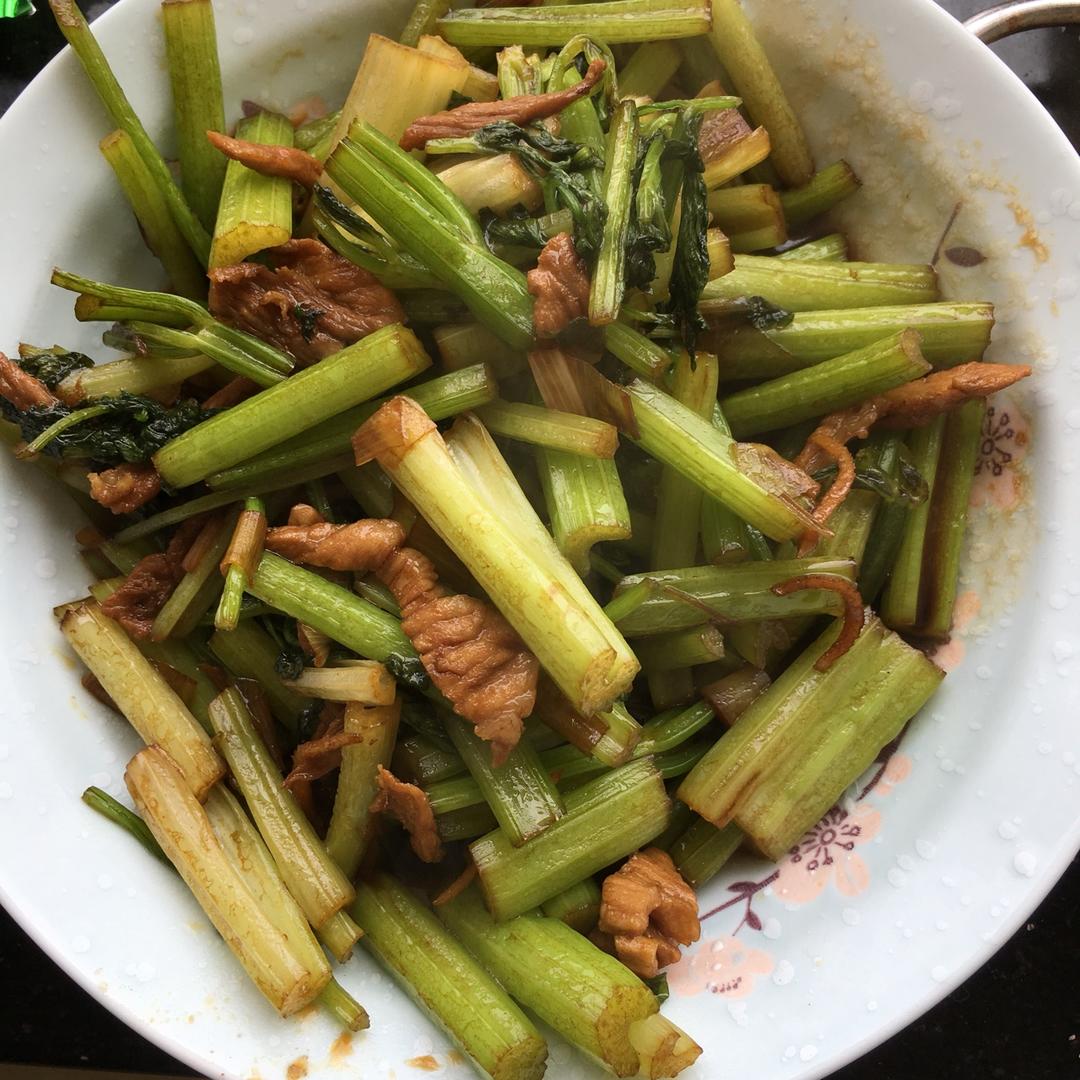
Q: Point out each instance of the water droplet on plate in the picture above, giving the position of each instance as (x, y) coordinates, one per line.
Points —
(808, 1052)
(1007, 830)
(784, 973)
(850, 916)
(939, 973)
(243, 35)
(1025, 864)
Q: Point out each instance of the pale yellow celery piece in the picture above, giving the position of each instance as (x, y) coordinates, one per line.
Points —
(151, 706)
(182, 828)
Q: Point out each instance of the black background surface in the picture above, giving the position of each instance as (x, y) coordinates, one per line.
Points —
(1017, 1019)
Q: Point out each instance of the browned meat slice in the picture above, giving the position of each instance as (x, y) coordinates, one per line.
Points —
(137, 602)
(649, 911)
(285, 161)
(410, 806)
(523, 109)
(22, 389)
(363, 545)
(911, 405)
(560, 284)
(469, 650)
(838, 489)
(303, 514)
(475, 657)
(311, 303)
(124, 488)
(313, 759)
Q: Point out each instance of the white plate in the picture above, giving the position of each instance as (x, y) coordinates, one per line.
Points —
(919, 880)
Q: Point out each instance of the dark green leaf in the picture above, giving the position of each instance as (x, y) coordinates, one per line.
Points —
(53, 365)
(690, 271)
(408, 670)
(132, 428)
(659, 987)
(906, 485)
(290, 662)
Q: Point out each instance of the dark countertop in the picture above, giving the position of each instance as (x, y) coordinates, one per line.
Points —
(1017, 1019)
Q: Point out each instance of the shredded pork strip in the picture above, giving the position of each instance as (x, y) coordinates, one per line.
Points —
(151, 581)
(469, 650)
(475, 115)
(838, 491)
(854, 612)
(22, 389)
(560, 284)
(285, 161)
(123, 489)
(310, 302)
(319, 756)
(410, 806)
(912, 405)
(649, 910)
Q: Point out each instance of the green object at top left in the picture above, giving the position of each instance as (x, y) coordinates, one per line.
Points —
(9, 9)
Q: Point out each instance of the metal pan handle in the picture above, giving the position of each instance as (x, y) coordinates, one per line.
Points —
(1005, 19)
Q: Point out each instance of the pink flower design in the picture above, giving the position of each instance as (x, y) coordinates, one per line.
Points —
(897, 769)
(1004, 445)
(827, 853)
(723, 965)
(950, 654)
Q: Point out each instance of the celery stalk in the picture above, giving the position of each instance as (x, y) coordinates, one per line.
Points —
(350, 823)
(74, 27)
(255, 211)
(577, 906)
(605, 820)
(560, 431)
(689, 443)
(756, 83)
(827, 387)
(584, 994)
(741, 592)
(900, 603)
(346, 378)
(650, 68)
(828, 752)
(336, 612)
(441, 397)
(136, 375)
(251, 653)
(702, 850)
(316, 883)
(831, 248)
(446, 982)
(585, 503)
(680, 649)
(250, 858)
(147, 701)
(952, 333)
(610, 21)
(520, 793)
(195, 75)
(494, 291)
(608, 279)
(678, 511)
(183, 830)
(151, 211)
(948, 517)
(800, 285)
(820, 193)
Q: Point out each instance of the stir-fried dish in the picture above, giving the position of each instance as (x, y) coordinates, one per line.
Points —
(517, 502)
